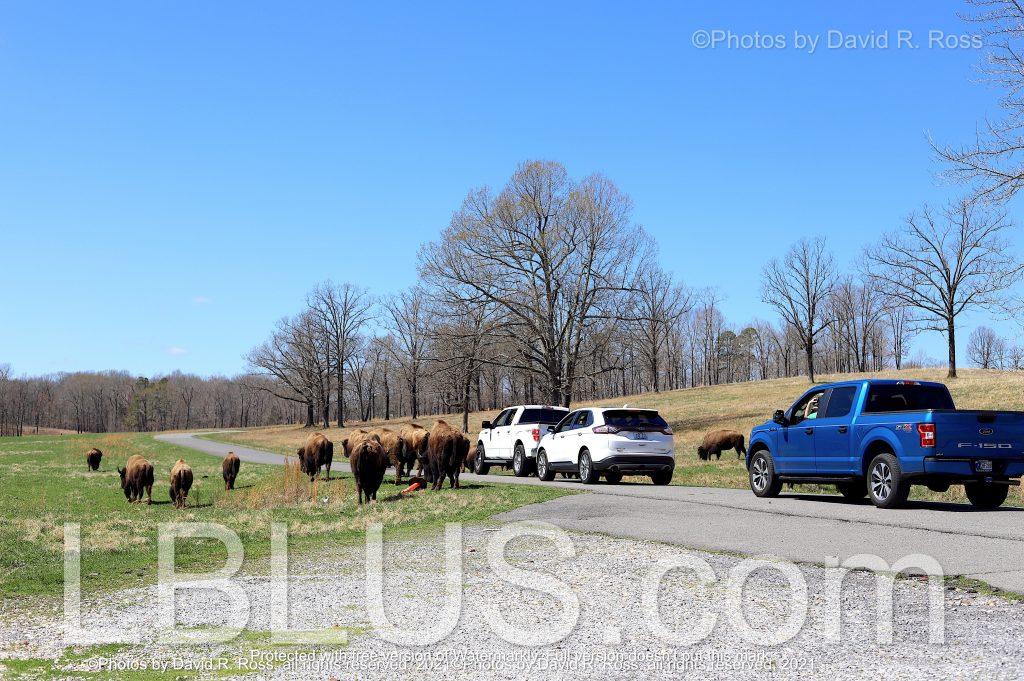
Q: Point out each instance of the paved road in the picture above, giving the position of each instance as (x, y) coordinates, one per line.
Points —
(987, 545)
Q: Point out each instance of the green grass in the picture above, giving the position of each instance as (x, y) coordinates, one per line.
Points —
(45, 484)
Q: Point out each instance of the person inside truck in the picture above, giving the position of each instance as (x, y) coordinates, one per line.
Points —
(811, 410)
(807, 409)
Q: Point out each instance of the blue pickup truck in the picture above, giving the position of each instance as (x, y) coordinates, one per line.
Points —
(879, 437)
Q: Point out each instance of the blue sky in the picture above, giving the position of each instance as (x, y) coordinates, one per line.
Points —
(175, 176)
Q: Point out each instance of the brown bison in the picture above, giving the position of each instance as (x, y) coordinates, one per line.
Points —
(414, 446)
(181, 482)
(352, 440)
(136, 478)
(470, 461)
(447, 449)
(318, 452)
(392, 443)
(92, 459)
(718, 440)
(368, 461)
(229, 469)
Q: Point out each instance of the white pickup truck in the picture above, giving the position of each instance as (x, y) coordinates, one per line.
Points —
(510, 440)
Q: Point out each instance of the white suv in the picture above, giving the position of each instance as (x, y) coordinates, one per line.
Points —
(613, 442)
(511, 439)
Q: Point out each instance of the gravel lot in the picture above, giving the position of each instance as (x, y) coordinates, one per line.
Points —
(984, 635)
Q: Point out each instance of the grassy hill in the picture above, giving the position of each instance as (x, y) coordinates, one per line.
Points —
(694, 411)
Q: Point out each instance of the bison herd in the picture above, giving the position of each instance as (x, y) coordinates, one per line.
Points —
(137, 476)
(439, 453)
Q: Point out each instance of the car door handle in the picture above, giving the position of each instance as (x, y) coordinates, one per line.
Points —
(808, 430)
(842, 429)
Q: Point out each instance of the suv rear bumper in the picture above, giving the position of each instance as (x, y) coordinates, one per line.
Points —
(636, 463)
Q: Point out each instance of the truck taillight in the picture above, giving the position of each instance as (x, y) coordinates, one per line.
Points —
(536, 434)
(927, 433)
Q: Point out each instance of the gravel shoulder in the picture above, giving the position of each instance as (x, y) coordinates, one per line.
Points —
(984, 635)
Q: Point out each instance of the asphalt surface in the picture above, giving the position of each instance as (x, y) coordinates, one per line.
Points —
(986, 545)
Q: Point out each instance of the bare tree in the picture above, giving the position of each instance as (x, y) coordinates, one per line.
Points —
(291, 356)
(901, 330)
(342, 311)
(939, 266)
(798, 287)
(993, 161)
(553, 256)
(986, 349)
(408, 323)
(658, 303)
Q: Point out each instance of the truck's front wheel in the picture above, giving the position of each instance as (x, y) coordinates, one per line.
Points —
(886, 485)
(985, 496)
(764, 482)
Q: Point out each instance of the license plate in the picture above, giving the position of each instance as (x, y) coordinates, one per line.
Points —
(638, 436)
(983, 466)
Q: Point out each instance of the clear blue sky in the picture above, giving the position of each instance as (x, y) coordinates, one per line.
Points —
(175, 176)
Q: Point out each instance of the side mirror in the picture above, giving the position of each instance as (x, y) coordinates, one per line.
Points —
(486, 425)
(779, 417)
(551, 429)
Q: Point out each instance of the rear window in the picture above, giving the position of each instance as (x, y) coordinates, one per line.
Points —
(545, 416)
(883, 398)
(629, 419)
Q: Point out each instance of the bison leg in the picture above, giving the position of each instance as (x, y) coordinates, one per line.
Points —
(149, 495)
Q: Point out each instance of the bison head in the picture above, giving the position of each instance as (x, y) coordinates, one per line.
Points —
(124, 481)
(702, 453)
(344, 447)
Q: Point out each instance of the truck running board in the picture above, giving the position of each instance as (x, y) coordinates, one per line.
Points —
(817, 480)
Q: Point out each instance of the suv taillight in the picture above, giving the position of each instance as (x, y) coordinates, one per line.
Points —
(667, 430)
(606, 429)
(927, 433)
(536, 434)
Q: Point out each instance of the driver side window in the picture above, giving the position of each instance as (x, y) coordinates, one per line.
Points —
(807, 407)
(503, 419)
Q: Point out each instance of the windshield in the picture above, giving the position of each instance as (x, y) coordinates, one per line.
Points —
(546, 415)
(907, 397)
(635, 419)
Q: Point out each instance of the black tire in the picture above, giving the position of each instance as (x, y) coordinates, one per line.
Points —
(854, 490)
(613, 477)
(986, 497)
(886, 484)
(588, 476)
(543, 472)
(763, 480)
(520, 464)
(661, 477)
(480, 467)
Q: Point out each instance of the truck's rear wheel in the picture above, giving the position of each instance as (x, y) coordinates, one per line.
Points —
(886, 485)
(985, 496)
(520, 464)
(764, 482)
(480, 466)
(853, 490)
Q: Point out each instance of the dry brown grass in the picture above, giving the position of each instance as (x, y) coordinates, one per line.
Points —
(694, 411)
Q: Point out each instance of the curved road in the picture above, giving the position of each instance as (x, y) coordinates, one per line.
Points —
(986, 545)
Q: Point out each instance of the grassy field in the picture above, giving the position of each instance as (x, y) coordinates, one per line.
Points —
(45, 484)
(694, 411)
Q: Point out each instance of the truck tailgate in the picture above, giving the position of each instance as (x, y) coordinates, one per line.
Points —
(979, 434)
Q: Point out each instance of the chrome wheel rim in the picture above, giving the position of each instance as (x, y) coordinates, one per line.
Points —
(584, 467)
(881, 480)
(759, 474)
(517, 462)
(479, 463)
(542, 465)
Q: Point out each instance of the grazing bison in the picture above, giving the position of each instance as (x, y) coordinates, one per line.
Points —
(181, 482)
(718, 440)
(316, 453)
(392, 444)
(368, 461)
(470, 461)
(136, 478)
(92, 459)
(229, 468)
(447, 448)
(414, 446)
